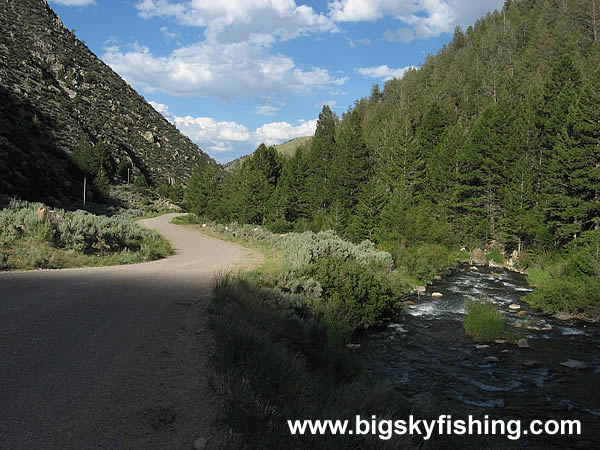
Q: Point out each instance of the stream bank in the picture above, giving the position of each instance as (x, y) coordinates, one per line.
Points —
(426, 355)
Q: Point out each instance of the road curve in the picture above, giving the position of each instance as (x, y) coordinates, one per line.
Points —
(113, 356)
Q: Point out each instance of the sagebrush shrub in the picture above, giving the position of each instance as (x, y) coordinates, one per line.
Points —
(77, 231)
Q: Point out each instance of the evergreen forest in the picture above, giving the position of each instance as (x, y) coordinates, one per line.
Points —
(493, 142)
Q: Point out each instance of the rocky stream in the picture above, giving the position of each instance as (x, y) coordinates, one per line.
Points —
(427, 356)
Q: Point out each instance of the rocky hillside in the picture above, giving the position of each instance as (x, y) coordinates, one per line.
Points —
(54, 94)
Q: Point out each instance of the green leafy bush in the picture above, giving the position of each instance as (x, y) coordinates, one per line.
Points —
(568, 295)
(425, 261)
(277, 363)
(483, 321)
(567, 283)
(495, 255)
(353, 296)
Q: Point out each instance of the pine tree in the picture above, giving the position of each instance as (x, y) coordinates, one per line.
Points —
(321, 153)
(203, 189)
(520, 218)
(352, 162)
(365, 221)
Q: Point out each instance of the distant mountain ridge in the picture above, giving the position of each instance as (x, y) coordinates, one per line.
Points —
(54, 92)
(287, 149)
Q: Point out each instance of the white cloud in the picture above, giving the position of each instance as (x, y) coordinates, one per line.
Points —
(161, 108)
(167, 34)
(217, 137)
(212, 69)
(74, 2)
(384, 72)
(368, 10)
(241, 20)
(278, 132)
(202, 129)
(267, 110)
(425, 18)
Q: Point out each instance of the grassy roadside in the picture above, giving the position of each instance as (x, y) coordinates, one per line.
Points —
(59, 239)
(277, 358)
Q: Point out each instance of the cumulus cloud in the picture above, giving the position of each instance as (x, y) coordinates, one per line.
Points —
(241, 20)
(267, 110)
(217, 137)
(384, 72)
(167, 34)
(213, 69)
(278, 132)
(74, 2)
(424, 18)
(162, 108)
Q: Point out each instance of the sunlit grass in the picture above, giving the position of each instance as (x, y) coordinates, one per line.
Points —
(483, 322)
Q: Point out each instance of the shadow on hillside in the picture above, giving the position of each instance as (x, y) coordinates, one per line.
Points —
(32, 165)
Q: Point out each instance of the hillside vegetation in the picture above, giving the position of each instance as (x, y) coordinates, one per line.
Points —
(55, 96)
(35, 237)
(494, 142)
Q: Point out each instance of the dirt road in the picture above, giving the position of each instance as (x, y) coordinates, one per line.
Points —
(113, 356)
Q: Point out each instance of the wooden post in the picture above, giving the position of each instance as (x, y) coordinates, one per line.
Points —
(84, 189)
(128, 175)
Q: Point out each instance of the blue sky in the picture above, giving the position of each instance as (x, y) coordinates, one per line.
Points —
(233, 73)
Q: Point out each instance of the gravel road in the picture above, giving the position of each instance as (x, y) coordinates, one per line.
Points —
(113, 357)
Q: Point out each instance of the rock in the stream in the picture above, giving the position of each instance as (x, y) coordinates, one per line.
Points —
(522, 313)
(494, 265)
(420, 289)
(574, 364)
(437, 294)
(530, 363)
(478, 258)
(522, 343)
(500, 341)
(491, 359)
(514, 307)
(482, 346)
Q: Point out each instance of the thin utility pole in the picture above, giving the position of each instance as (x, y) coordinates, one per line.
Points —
(84, 189)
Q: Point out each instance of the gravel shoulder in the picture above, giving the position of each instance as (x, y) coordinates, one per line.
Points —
(114, 356)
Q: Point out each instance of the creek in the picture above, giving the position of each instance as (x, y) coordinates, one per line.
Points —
(426, 355)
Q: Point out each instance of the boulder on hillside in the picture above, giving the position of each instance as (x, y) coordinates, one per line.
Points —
(50, 216)
(478, 258)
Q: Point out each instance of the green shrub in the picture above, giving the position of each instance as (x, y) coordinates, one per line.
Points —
(301, 249)
(495, 255)
(537, 277)
(483, 321)
(36, 242)
(140, 181)
(278, 364)
(567, 295)
(4, 263)
(353, 296)
(567, 283)
(425, 261)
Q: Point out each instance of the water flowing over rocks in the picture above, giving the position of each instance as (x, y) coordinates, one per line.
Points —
(442, 371)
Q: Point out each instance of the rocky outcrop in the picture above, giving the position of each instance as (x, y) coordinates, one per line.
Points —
(53, 92)
(478, 258)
